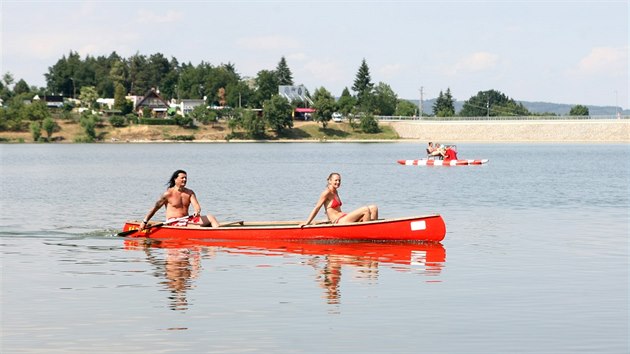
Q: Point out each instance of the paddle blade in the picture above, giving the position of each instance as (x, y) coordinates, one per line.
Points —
(127, 233)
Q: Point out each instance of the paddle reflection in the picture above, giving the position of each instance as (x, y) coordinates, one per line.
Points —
(330, 260)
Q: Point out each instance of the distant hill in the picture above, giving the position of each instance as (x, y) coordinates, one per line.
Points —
(535, 107)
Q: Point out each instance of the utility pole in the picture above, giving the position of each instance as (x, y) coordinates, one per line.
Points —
(420, 112)
(488, 109)
(74, 88)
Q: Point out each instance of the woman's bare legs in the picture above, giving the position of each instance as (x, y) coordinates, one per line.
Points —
(373, 211)
(361, 214)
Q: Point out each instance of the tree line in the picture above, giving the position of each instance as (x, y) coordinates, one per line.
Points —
(221, 85)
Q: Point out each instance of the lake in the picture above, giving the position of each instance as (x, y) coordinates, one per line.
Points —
(535, 258)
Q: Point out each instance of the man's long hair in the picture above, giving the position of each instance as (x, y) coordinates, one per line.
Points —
(171, 182)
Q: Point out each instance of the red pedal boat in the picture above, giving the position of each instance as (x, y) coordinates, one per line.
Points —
(420, 228)
(429, 162)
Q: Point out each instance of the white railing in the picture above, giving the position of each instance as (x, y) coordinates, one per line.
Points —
(446, 119)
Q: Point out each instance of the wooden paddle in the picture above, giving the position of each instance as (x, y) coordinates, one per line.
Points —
(129, 232)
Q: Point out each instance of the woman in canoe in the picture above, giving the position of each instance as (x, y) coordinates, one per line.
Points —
(330, 200)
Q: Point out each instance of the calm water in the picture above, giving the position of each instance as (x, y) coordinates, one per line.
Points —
(535, 258)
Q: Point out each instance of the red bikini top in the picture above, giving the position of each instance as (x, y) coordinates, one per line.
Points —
(336, 202)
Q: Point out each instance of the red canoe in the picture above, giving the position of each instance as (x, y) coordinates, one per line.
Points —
(420, 228)
(428, 162)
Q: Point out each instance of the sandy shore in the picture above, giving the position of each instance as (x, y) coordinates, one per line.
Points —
(609, 130)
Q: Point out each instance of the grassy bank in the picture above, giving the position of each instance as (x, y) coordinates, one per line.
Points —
(71, 131)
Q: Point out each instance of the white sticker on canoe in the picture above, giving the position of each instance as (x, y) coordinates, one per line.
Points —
(418, 225)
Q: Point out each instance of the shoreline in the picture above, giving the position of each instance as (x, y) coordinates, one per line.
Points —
(487, 132)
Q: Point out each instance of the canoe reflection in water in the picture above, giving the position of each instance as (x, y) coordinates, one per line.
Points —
(330, 259)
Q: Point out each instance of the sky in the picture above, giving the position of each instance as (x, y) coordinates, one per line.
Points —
(559, 51)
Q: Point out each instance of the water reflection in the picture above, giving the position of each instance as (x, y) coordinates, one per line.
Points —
(178, 268)
(330, 260)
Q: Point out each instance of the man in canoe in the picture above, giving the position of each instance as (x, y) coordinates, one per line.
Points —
(177, 200)
(332, 204)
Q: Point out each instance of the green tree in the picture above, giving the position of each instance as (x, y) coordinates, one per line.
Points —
(7, 79)
(88, 122)
(49, 126)
(277, 113)
(138, 71)
(5, 87)
(369, 124)
(492, 103)
(21, 87)
(120, 101)
(203, 115)
(36, 111)
(238, 94)
(15, 114)
(36, 130)
(5, 124)
(88, 96)
(266, 86)
(157, 70)
(579, 110)
(346, 102)
(405, 108)
(444, 105)
(384, 100)
(117, 121)
(325, 106)
(363, 86)
(118, 70)
(62, 77)
(253, 124)
(283, 73)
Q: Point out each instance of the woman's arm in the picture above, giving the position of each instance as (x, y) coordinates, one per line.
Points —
(322, 199)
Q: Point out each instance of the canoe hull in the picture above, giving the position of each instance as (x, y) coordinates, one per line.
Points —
(422, 228)
(426, 162)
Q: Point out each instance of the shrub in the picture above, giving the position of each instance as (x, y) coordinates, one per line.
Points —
(185, 122)
(50, 126)
(181, 137)
(36, 130)
(88, 122)
(117, 121)
(132, 118)
(157, 121)
(369, 124)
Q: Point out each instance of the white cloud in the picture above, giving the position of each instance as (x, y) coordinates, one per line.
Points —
(171, 16)
(390, 70)
(268, 43)
(603, 60)
(475, 62)
(324, 71)
(296, 57)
